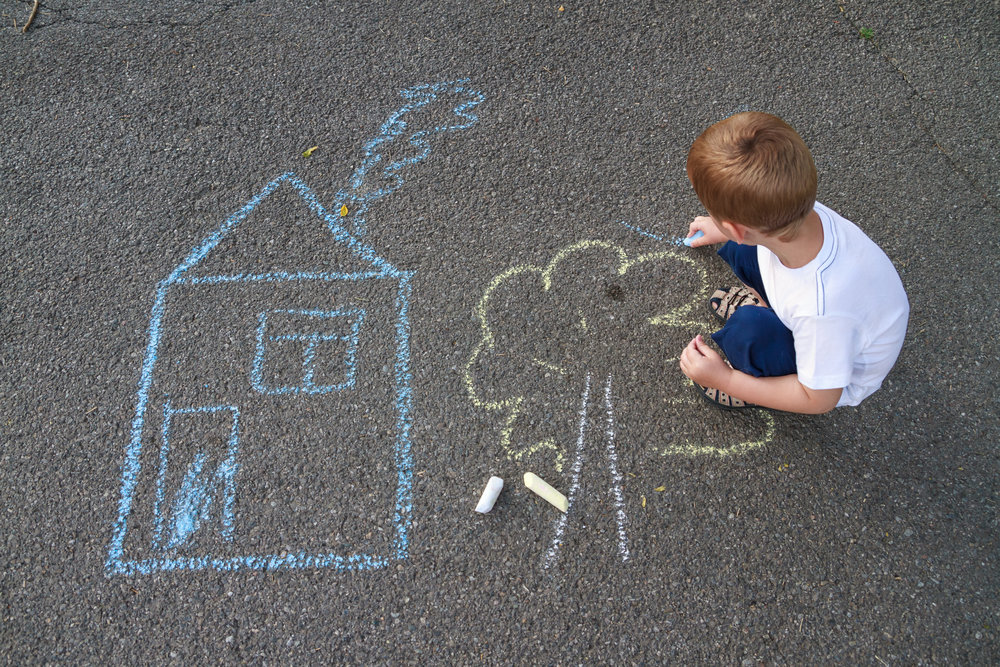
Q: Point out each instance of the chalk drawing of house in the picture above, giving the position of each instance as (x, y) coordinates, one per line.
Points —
(272, 420)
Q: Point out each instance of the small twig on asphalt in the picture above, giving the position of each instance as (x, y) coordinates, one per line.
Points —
(34, 11)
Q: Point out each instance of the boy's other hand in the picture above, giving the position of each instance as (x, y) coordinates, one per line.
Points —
(704, 365)
(712, 234)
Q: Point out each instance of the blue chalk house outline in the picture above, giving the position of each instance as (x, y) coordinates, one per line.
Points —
(193, 501)
(203, 491)
(308, 342)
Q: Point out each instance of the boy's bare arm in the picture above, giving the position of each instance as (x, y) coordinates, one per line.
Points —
(782, 393)
(704, 365)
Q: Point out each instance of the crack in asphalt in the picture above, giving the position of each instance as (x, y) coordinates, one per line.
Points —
(67, 15)
(922, 122)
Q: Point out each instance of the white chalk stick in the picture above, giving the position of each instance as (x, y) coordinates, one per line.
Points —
(490, 494)
(538, 485)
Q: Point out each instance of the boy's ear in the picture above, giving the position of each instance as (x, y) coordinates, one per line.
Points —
(737, 231)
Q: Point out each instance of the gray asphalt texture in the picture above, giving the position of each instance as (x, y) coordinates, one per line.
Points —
(131, 131)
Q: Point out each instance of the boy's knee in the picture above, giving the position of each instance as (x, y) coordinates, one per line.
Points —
(762, 324)
(755, 317)
(736, 255)
(764, 346)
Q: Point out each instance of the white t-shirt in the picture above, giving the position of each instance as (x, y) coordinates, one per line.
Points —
(847, 310)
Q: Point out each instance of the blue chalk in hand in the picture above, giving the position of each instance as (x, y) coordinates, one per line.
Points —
(697, 235)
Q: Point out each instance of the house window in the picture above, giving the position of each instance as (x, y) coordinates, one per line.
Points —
(306, 351)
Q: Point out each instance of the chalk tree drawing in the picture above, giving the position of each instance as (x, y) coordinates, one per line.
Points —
(621, 519)
(277, 372)
(545, 329)
(686, 445)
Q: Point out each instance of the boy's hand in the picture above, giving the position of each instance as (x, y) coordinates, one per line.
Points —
(704, 365)
(712, 234)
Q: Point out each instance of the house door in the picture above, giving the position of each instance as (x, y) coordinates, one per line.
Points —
(196, 480)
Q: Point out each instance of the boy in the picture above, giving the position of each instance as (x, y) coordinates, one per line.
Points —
(821, 317)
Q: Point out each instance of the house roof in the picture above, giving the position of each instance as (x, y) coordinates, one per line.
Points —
(365, 262)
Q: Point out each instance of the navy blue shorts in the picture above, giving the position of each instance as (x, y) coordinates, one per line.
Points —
(753, 339)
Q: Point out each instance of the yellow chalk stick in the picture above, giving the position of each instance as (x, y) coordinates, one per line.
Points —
(539, 486)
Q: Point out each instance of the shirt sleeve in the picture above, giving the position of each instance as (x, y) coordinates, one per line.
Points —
(825, 350)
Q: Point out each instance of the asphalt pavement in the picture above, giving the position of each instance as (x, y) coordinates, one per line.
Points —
(286, 283)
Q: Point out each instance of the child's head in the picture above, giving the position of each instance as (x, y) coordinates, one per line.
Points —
(755, 170)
